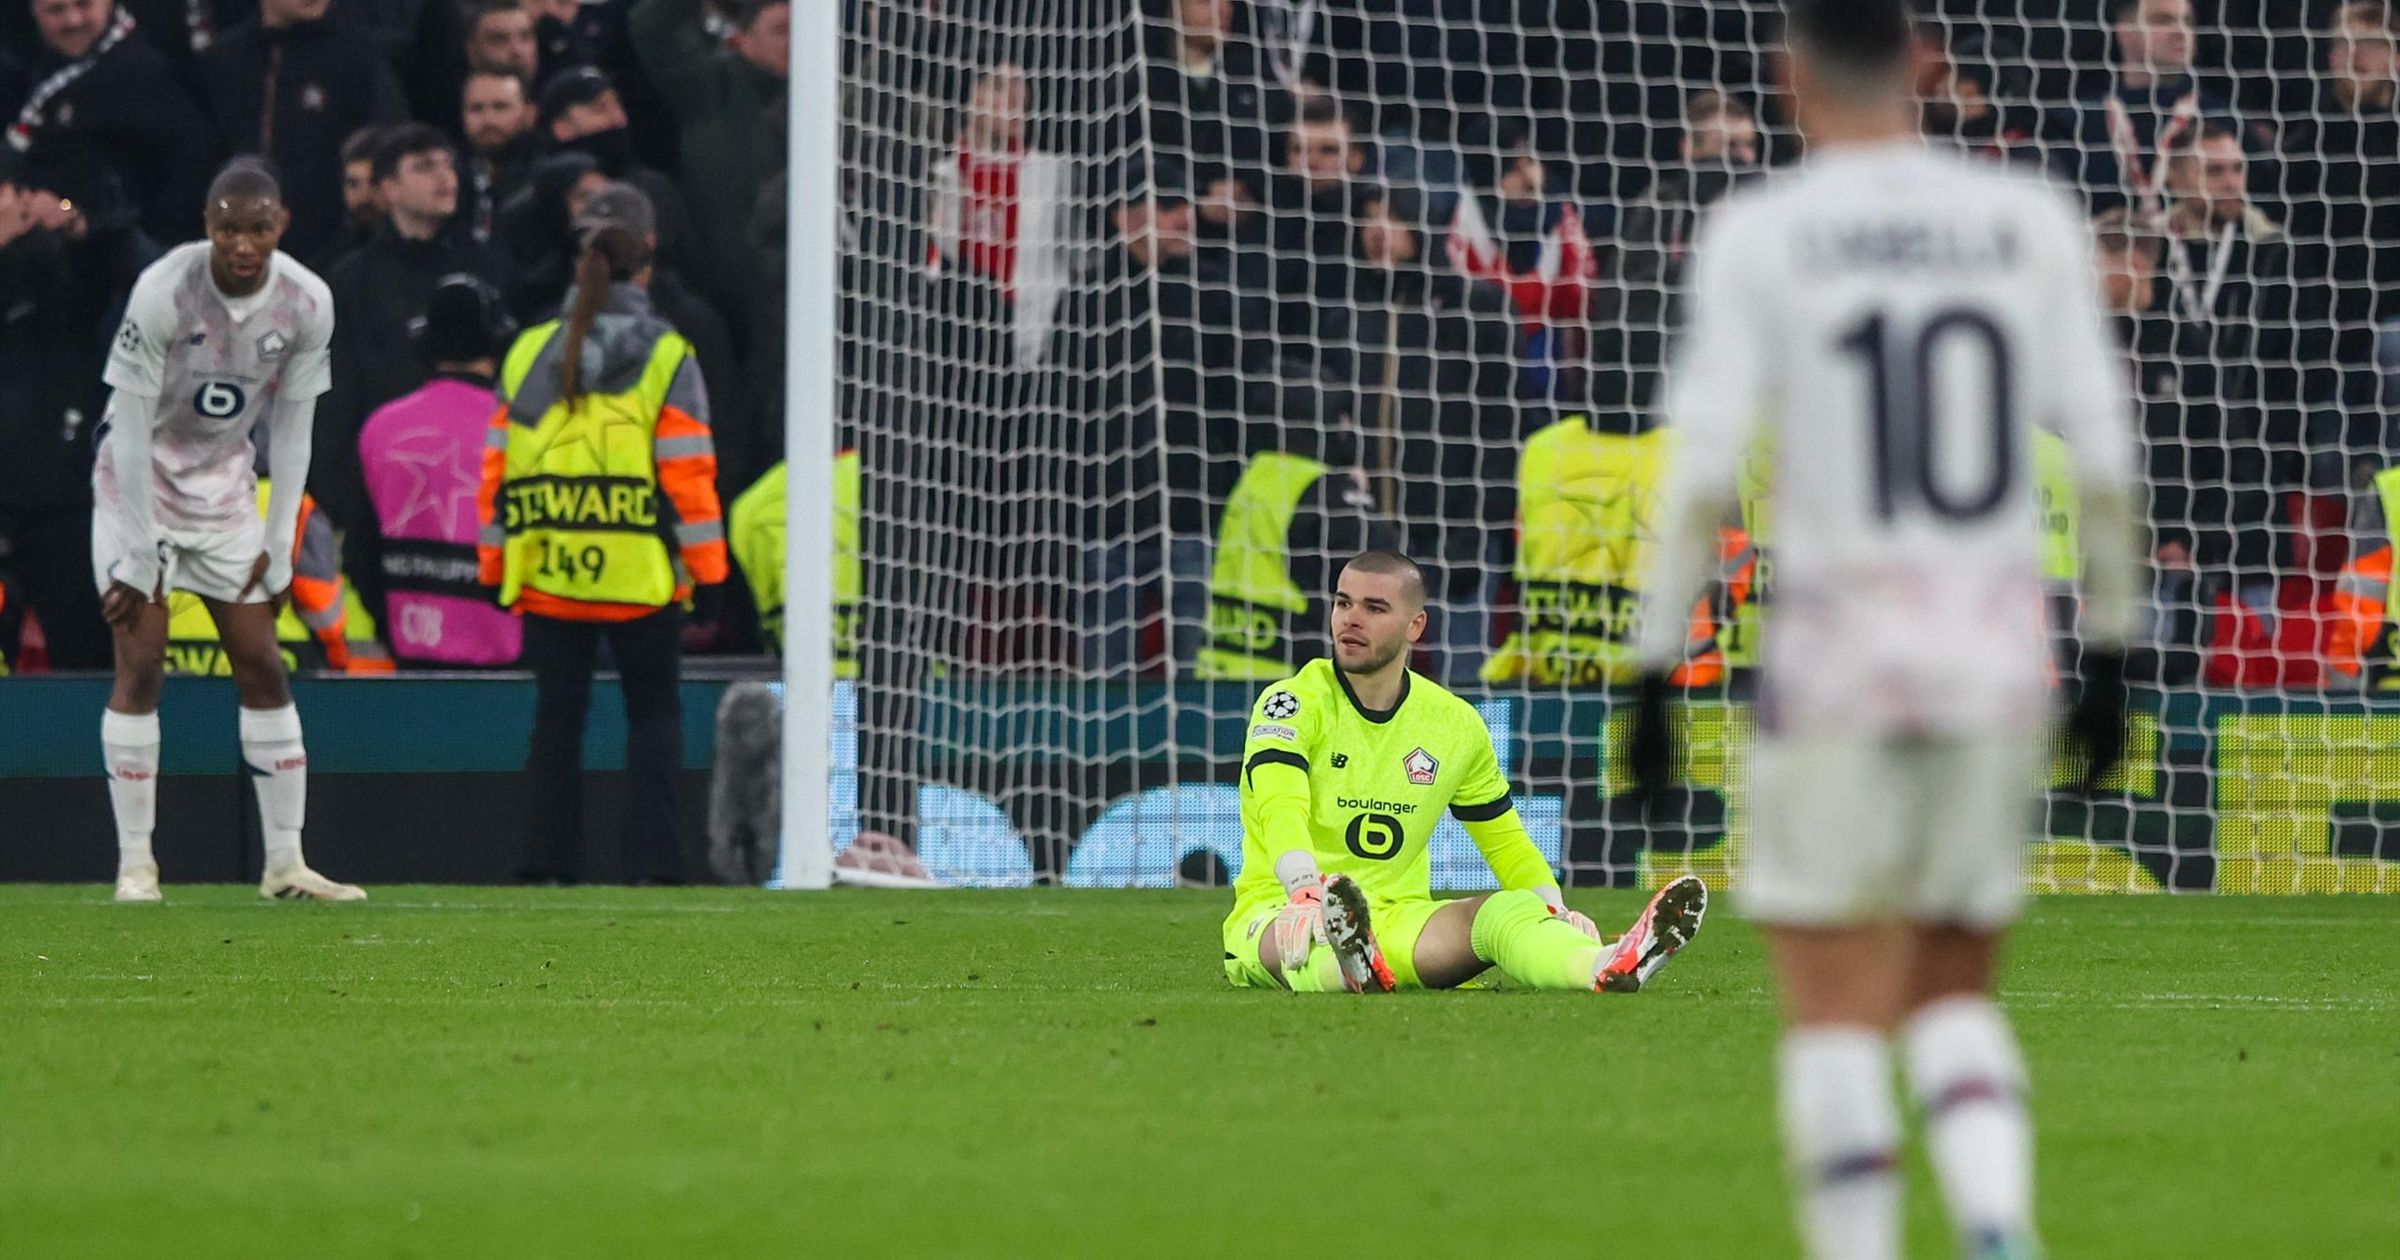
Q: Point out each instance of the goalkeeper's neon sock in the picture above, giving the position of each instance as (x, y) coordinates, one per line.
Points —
(1667, 924)
(1319, 973)
(1350, 938)
(1841, 1139)
(1963, 1065)
(1515, 931)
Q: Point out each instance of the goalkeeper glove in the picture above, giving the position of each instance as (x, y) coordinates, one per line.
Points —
(2096, 719)
(1650, 746)
(1301, 926)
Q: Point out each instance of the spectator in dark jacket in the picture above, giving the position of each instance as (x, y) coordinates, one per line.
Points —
(361, 208)
(2115, 144)
(107, 108)
(729, 96)
(558, 39)
(291, 86)
(63, 282)
(1213, 107)
(2236, 307)
(537, 235)
(497, 123)
(2341, 163)
(582, 113)
(377, 290)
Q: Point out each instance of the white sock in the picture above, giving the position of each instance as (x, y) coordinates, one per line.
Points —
(130, 743)
(1965, 1070)
(279, 770)
(1841, 1135)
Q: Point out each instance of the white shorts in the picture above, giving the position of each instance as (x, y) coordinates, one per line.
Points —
(215, 564)
(1857, 829)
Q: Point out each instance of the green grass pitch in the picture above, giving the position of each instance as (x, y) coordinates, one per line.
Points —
(594, 1073)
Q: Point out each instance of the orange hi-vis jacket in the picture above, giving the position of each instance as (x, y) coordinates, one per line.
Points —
(2362, 638)
(605, 510)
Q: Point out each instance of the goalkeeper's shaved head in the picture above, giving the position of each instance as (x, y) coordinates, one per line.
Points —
(1393, 564)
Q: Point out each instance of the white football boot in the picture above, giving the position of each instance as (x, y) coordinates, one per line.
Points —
(138, 885)
(1667, 924)
(298, 883)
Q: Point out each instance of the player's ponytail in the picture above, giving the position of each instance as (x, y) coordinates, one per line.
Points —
(611, 255)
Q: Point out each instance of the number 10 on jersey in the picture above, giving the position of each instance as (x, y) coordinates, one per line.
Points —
(1902, 396)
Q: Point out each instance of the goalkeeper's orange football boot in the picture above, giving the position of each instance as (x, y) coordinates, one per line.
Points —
(1352, 937)
(1667, 924)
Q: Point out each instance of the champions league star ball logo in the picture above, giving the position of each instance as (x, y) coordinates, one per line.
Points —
(1282, 705)
(1421, 767)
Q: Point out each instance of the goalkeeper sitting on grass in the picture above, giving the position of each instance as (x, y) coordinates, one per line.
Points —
(1347, 768)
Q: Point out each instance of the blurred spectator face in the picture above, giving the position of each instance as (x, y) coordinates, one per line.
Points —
(2211, 184)
(422, 187)
(495, 111)
(1155, 230)
(580, 193)
(2359, 56)
(502, 40)
(996, 112)
(2156, 36)
(71, 27)
(767, 41)
(1321, 153)
(1382, 239)
(1726, 137)
(1524, 179)
(2128, 264)
(604, 112)
(358, 191)
(1203, 23)
(279, 14)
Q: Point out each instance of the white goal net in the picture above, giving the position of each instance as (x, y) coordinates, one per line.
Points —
(1154, 311)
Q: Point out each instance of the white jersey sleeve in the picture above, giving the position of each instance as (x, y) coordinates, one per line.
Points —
(310, 370)
(137, 362)
(1719, 387)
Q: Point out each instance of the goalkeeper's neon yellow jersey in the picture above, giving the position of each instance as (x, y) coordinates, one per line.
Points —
(1363, 789)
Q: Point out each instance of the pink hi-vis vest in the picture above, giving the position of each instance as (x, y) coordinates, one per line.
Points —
(423, 460)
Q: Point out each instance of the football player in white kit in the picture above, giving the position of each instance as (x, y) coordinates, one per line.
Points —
(220, 335)
(1891, 322)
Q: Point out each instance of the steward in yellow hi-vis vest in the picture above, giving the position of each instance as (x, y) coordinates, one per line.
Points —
(1583, 505)
(601, 505)
(1288, 522)
(598, 514)
(756, 527)
(322, 625)
(2363, 638)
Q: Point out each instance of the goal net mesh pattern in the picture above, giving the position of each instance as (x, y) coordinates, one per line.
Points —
(1155, 312)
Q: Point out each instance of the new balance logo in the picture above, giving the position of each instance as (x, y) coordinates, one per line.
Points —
(1341, 761)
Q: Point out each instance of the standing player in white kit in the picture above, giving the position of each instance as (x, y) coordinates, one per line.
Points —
(219, 336)
(1893, 323)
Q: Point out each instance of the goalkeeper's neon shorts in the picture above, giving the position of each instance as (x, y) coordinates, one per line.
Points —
(1397, 926)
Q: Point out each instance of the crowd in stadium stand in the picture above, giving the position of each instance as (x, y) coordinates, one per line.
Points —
(1395, 241)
